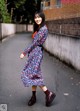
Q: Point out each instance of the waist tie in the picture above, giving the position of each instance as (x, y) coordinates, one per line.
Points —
(34, 47)
(41, 47)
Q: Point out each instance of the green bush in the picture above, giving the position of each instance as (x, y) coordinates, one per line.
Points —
(4, 16)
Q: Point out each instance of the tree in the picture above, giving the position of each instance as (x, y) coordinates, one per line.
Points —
(22, 11)
(4, 16)
(38, 5)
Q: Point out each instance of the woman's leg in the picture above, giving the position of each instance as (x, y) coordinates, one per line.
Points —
(34, 88)
(32, 101)
(49, 95)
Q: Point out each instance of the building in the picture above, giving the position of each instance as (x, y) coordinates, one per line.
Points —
(58, 9)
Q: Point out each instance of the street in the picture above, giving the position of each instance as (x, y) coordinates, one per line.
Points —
(59, 78)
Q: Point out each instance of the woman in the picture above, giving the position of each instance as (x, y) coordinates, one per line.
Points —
(31, 74)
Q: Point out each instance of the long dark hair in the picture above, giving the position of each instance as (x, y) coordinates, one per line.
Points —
(41, 14)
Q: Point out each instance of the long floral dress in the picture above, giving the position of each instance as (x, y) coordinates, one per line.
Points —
(31, 73)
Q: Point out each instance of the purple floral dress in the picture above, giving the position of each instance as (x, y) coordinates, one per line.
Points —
(31, 73)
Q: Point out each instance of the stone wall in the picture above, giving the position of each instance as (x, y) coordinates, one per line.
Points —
(64, 40)
(8, 29)
(69, 27)
(65, 48)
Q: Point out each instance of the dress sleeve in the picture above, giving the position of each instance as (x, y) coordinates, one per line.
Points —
(35, 42)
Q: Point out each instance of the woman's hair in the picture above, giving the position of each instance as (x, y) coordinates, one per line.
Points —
(41, 14)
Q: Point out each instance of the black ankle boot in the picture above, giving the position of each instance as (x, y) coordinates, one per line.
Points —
(32, 101)
(49, 98)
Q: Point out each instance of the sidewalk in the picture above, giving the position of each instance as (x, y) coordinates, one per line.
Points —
(61, 79)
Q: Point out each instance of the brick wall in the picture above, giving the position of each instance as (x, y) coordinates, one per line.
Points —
(67, 10)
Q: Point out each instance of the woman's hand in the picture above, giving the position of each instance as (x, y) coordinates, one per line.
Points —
(22, 56)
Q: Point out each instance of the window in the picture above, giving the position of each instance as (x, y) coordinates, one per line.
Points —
(45, 4)
(58, 3)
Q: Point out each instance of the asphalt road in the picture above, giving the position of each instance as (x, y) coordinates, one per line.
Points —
(59, 78)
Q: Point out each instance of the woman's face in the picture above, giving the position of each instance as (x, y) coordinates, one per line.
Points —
(38, 19)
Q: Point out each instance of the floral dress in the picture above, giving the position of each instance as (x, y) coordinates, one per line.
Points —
(31, 73)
